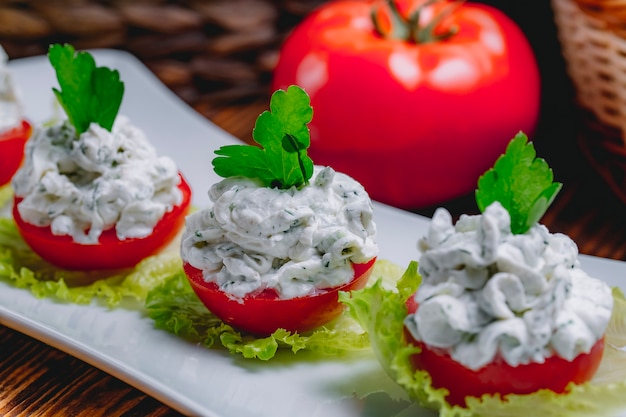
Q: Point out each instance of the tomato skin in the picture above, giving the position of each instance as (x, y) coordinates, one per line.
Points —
(12, 144)
(498, 377)
(264, 313)
(110, 252)
(415, 124)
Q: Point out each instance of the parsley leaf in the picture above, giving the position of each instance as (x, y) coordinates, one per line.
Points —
(283, 134)
(88, 93)
(521, 182)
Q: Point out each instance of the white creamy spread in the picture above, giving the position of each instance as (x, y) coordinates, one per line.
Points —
(294, 241)
(100, 180)
(487, 292)
(10, 110)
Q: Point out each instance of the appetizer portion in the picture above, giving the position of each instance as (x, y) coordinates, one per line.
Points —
(283, 236)
(497, 307)
(14, 129)
(93, 193)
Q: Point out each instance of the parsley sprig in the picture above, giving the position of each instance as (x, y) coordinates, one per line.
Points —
(281, 161)
(88, 94)
(521, 182)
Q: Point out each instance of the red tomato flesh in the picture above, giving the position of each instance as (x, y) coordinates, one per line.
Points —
(109, 252)
(498, 377)
(262, 314)
(12, 150)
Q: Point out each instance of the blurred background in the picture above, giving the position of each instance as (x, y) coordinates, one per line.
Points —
(210, 53)
(218, 56)
(216, 53)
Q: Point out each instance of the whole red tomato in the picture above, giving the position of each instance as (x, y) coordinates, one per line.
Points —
(264, 313)
(498, 377)
(109, 252)
(416, 114)
(12, 144)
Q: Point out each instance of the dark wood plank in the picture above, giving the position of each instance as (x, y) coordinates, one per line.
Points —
(38, 380)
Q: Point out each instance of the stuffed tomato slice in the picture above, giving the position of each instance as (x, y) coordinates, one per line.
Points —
(433, 379)
(499, 317)
(264, 313)
(12, 144)
(498, 377)
(282, 236)
(110, 252)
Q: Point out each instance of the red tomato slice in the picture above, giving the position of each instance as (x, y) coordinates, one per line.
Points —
(498, 377)
(264, 313)
(12, 150)
(110, 252)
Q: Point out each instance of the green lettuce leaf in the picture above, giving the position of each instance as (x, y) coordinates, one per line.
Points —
(21, 267)
(381, 310)
(174, 307)
(6, 194)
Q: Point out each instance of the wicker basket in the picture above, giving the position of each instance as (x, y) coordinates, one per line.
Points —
(596, 58)
(592, 34)
(210, 53)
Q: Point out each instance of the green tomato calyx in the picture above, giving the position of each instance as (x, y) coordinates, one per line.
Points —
(391, 23)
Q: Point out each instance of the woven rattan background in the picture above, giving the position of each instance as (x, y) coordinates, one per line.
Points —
(206, 51)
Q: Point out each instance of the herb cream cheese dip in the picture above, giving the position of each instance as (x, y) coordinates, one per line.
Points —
(488, 293)
(294, 240)
(83, 185)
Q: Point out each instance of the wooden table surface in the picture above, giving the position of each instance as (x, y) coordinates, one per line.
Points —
(38, 380)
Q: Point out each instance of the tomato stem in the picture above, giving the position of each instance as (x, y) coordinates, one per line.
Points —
(390, 23)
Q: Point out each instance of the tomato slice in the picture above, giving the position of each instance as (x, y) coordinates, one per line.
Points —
(12, 150)
(110, 252)
(498, 377)
(264, 313)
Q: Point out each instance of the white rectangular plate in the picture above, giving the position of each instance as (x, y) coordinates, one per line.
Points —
(190, 378)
